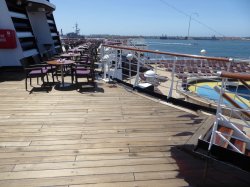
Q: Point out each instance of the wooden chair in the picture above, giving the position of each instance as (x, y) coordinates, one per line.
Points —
(82, 70)
(51, 69)
(33, 70)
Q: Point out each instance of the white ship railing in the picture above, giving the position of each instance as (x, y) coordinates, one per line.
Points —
(181, 76)
(243, 114)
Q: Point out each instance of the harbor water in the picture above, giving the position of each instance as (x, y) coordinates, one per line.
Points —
(217, 48)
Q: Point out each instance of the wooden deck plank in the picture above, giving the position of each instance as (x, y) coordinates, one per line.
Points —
(85, 136)
(12, 143)
(63, 152)
(84, 171)
(77, 179)
(6, 168)
(23, 160)
(109, 138)
(135, 145)
(123, 156)
(160, 183)
(33, 138)
(89, 164)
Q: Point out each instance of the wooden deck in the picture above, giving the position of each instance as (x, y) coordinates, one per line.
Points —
(111, 137)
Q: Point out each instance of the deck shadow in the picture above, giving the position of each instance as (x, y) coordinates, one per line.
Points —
(46, 87)
(84, 88)
(203, 172)
(11, 76)
(67, 87)
(186, 133)
(195, 119)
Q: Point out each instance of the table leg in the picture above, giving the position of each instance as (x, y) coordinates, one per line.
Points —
(62, 77)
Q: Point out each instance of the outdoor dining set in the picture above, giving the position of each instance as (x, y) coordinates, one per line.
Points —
(78, 63)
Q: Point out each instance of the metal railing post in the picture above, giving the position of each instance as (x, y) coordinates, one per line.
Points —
(102, 51)
(156, 62)
(109, 70)
(116, 61)
(172, 79)
(111, 58)
(231, 60)
(129, 71)
(138, 70)
(218, 112)
(103, 62)
(104, 69)
(120, 60)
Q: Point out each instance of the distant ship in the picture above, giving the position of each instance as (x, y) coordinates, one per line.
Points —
(205, 38)
(164, 37)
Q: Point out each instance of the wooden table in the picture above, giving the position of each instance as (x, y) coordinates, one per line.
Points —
(76, 50)
(61, 63)
(71, 56)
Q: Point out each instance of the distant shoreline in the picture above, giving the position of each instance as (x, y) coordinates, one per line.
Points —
(203, 38)
(164, 37)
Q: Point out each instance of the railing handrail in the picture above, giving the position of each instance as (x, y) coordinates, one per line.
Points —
(169, 53)
(241, 76)
(245, 84)
(231, 101)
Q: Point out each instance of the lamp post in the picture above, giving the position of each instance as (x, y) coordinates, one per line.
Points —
(203, 52)
(189, 23)
(130, 58)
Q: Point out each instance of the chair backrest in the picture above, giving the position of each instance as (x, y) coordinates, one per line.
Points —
(59, 50)
(24, 62)
(27, 62)
(66, 47)
(45, 57)
(36, 59)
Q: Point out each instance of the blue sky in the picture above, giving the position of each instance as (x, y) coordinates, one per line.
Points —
(154, 17)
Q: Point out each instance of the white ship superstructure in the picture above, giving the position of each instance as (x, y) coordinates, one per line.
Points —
(34, 28)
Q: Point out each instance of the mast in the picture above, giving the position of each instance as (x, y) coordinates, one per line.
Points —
(77, 30)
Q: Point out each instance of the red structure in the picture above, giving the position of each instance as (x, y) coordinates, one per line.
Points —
(7, 39)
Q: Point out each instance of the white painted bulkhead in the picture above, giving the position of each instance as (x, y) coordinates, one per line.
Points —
(9, 57)
(36, 14)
